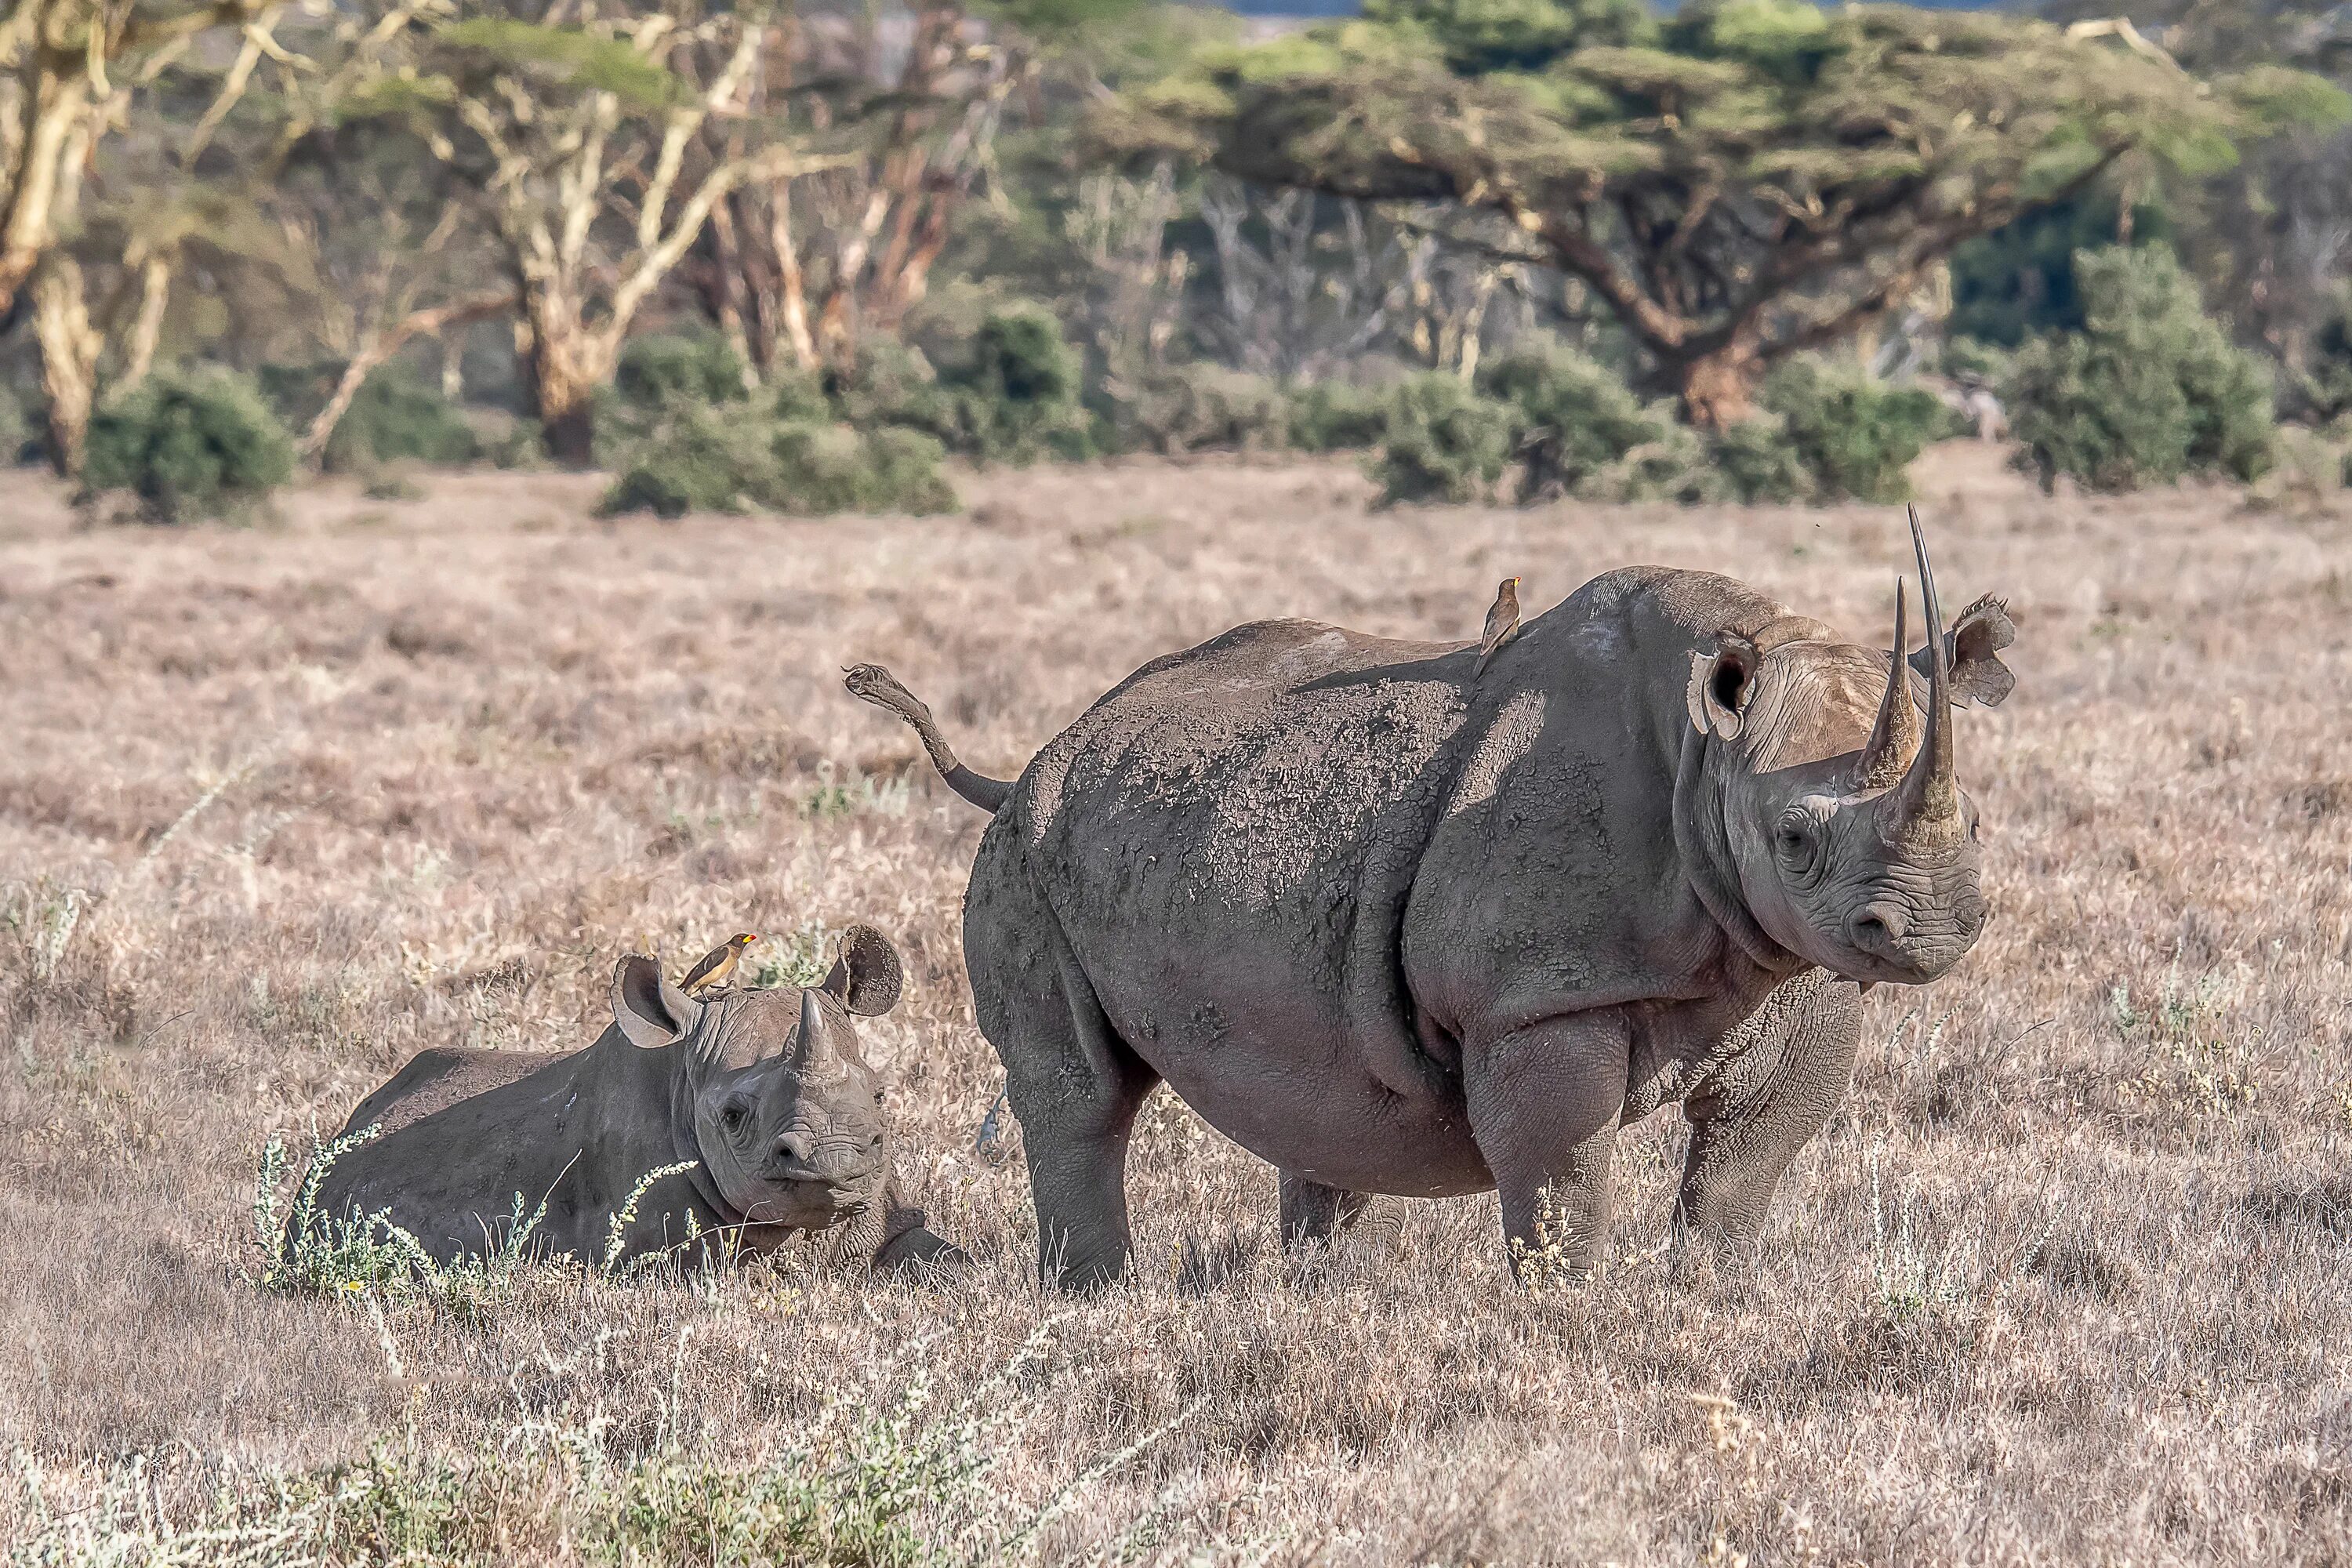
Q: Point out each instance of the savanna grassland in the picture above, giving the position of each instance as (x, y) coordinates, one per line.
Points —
(2069, 1280)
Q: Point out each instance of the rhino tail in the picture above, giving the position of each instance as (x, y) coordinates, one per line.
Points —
(872, 683)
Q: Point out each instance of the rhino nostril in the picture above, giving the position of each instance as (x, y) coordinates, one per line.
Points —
(793, 1146)
(1878, 927)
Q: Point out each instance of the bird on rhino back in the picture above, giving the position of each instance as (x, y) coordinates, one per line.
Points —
(765, 1097)
(1398, 924)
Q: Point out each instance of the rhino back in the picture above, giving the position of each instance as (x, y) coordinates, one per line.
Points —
(434, 1079)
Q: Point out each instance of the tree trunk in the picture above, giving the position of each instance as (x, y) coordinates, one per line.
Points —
(69, 348)
(147, 328)
(564, 376)
(1717, 388)
(44, 167)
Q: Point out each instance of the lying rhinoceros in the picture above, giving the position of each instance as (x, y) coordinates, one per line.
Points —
(765, 1094)
(1398, 925)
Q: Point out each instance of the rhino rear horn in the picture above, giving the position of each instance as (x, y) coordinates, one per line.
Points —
(650, 1011)
(866, 976)
(1880, 766)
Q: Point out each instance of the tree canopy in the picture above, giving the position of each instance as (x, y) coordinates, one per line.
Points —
(1742, 180)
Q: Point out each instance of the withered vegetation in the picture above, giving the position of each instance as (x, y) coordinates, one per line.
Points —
(2068, 1279)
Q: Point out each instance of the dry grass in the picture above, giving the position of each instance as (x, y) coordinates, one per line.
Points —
(2069, 1280)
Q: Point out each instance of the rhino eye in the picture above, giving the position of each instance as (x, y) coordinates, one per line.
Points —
(731, 1118)
(1794, 844)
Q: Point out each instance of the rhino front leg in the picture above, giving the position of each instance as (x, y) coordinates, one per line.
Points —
(1313, 1213)
(1544, 1102)
(1751, 1116)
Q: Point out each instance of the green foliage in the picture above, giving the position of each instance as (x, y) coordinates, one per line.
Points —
(188, 443)
(1333, 416)
(662, 368)
(1014, 396)
(397, 415)
(2150, 391)
(1758, 464)
(566, 57)
(731, 459)
(1631, 152)
(889, 382)
(1851, 434)
(1574, 427)
(2321, 387)
(2019, 279)
(825, 468)
(1476, 37)
(1200, 408)
(1577, 418)
(1441, 441)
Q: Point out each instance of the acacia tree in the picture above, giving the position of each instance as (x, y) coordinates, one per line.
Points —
(584, 145)
(70, 71)
(1735, 183)
(798, 269)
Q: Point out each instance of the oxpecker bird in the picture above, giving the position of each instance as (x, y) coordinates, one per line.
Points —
(1502, 623)
(719, 964)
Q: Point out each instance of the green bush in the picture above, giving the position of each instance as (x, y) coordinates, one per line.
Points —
(1758, 464)
(1852, 434)
(663, 368)
(1333, 416)
(825, 468)
(889, 382)
(1578, 421)
(1440, 440)
(2150, 391)
(706, 457)
(397, 415)
(188, 443)
(1011, 396)
(1200, 408)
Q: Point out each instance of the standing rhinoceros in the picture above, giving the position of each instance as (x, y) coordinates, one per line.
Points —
(1400, 926)
(765, 1094)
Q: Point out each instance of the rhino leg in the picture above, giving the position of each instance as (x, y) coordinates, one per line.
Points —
(1544, 1103)
(1313, 1213)
(1074, 1084)
(1751, 1116)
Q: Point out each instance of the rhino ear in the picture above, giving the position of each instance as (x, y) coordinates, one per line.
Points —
(1978, 634)
(867, 977)
(1721, 684)
(651, 1011)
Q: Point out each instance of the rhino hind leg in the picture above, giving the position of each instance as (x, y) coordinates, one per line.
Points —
(1749, 1119)
(1074, 1084)
(1313, 1214)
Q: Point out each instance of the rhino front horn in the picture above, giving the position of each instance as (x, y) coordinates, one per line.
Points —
(1925, 808)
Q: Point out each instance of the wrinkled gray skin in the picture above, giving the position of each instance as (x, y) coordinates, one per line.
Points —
(1400, 931)
(766, 1091)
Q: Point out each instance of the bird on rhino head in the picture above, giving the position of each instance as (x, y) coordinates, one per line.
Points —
(1409, 918)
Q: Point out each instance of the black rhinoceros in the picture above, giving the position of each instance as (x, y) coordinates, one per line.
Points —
(1398, 925)
(763, 1094)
